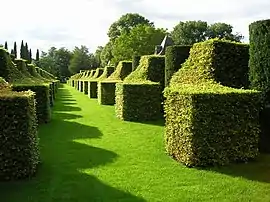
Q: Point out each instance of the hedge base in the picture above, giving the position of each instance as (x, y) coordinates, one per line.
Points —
(138, 101)
(206, 128)
(19, 151)
(106, 93)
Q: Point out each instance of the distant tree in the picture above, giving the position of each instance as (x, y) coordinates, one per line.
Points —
(26, 52)
(81, 60)
(106, 54)
(6, 45)
(30, 56)
(37, 55)
(15, 49)
(141, 40)
(125, 23)
(190, 32)
(62, 59)
(12, 52)
(98, 55)
(223, 31)
(22, 51)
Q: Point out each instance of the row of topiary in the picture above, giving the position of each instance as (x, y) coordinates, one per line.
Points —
(26, 93)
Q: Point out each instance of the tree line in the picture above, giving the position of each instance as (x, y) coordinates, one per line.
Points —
(132, 34)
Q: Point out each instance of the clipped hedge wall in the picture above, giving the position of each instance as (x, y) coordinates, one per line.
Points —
(135, 62)
(207, 121)
(42, 97)
(259, 62)
(92, 85)
(106, 88)
(223, 61)
(151, 68)
(138, 102)
(175, 56)
(211, 126)
(19, 151)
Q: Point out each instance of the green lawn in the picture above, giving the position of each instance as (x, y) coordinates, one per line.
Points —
(90, 155)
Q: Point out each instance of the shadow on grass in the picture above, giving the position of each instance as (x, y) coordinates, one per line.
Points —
(66, 154)
(256, 170)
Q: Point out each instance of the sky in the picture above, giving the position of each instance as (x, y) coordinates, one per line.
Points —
(69, 23)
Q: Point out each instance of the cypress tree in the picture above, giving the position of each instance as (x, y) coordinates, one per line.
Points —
(6, 45)
(15, 49)
(12, 52)
(37, 55)
(30, 55)
(26, 52)
(22, 50)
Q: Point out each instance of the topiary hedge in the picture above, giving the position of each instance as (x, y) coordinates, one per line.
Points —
(92, 84)
(151, 68)
(144, 81)
(175, 56)
(259, 62)
(42, 98)
(138, 102)
(19, 151)
(106, 88)
(135, 62)
(212, 126)
(208, 123)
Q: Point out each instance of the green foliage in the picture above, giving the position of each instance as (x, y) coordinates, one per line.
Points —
(106, 54)
(190, 32)
(42, 100)
(92, 89)
(81, 60)
(215, 60)
(212, 126)
(141, 40)
(151, 68)
(125, 24)
(106, 88)
(98, 73)
(123, 69)
(98, 56)
(108, 70)
(200, 98)
(37, 55)
(259, 63)
(6, 46)
(15, 49)
(19, 151)
(138, 102)
(175, 56)
(135, 62)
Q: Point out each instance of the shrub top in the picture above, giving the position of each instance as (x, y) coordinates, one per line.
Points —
(122, 70)
(214, 61)
(108, 70)
(98, 73)
(151, 68)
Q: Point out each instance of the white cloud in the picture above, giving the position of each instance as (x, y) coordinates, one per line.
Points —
(85, 22)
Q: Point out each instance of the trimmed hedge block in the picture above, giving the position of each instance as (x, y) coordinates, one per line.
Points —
(92, 89)
(175, 56)
(42, 96)
(151, 68)
(138, 102)
(85, 87)
(106, 92)
(106, 88)
(221, 61)
(259, 62)
(19, 151)
(212, 126)
(135, 62)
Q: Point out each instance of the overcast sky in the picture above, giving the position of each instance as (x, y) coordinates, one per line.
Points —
(69, 23)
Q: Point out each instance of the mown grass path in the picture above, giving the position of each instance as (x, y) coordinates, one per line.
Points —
(90, 155)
